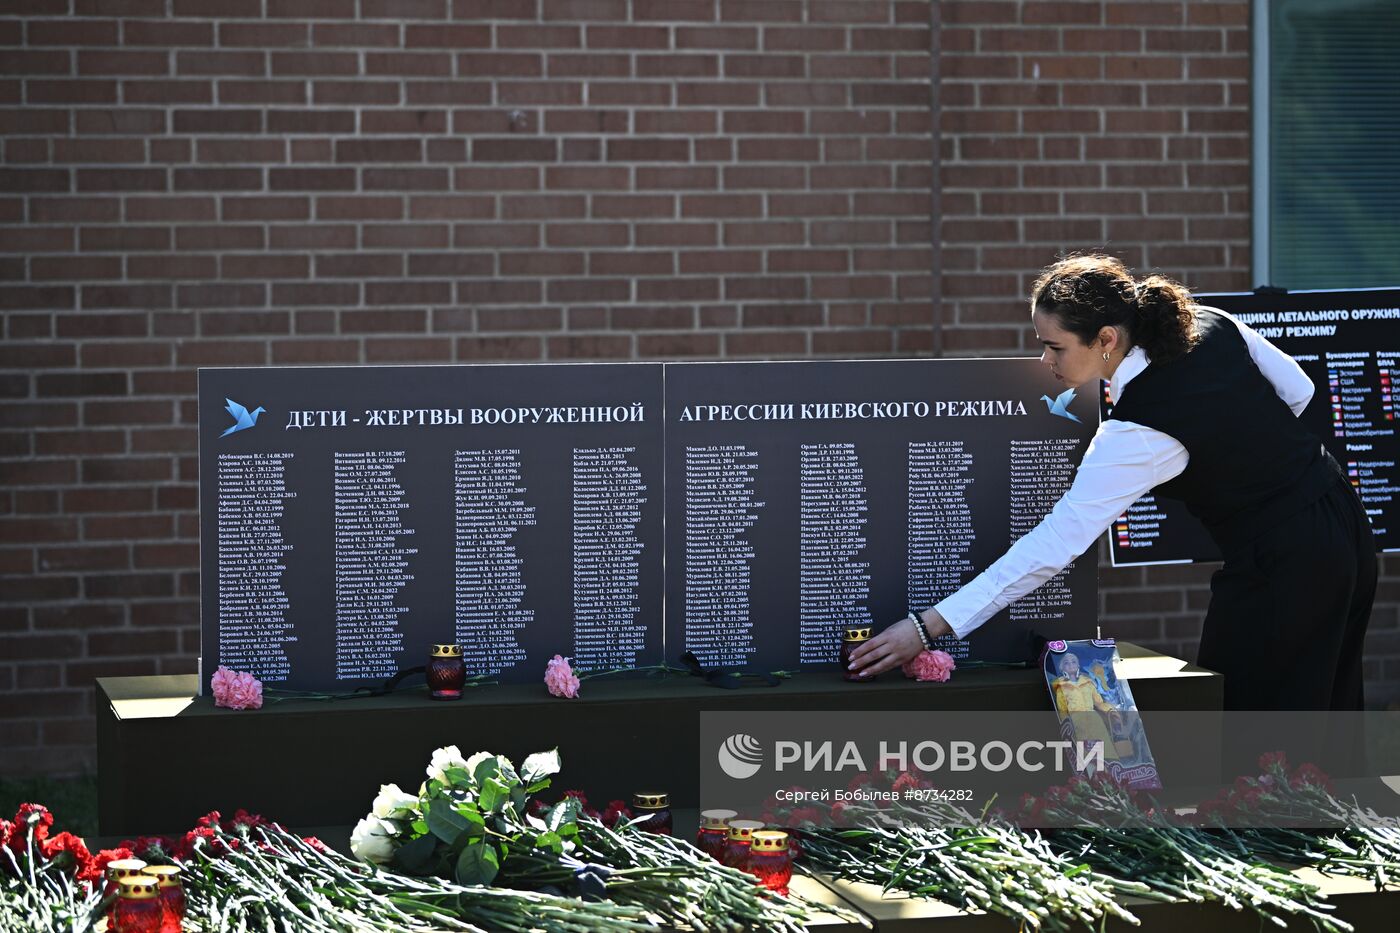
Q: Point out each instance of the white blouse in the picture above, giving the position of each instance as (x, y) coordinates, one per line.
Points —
(1124, 461)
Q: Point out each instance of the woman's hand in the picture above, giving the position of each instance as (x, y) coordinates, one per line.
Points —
(896, 645)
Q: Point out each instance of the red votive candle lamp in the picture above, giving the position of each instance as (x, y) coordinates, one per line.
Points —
(714, 832)
(447, 672)
(736, 848)
(116, 870)
(657, 809)
(769, 860)
(138, 909)
(852, 639)
(120, 868)
(172, 897)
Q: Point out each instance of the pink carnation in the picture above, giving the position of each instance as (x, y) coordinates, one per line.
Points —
(930, 665)
(236, 691)
(559, 677)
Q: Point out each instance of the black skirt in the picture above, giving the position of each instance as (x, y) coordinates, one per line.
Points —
(1288, 610)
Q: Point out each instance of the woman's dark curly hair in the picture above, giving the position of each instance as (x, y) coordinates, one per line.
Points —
(1090, 292)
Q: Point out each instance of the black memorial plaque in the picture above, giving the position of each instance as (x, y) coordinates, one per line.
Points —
(352, 517)
(804, 497)
(1348, 342)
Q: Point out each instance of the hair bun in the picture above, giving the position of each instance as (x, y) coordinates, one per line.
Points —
(1166, 325)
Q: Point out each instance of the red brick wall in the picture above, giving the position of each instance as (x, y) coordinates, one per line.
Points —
(1118, 125)
(214, 182)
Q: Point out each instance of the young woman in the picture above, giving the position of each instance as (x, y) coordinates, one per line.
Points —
(1205, 410)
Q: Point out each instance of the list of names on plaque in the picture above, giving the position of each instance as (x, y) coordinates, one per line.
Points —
(371, 563)
(1041, 470)
(608, 495)
(253, 606)
(720, 508)
(490, 585)
(940, 534)
(834, 585)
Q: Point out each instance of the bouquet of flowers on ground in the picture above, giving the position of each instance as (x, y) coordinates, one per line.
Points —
(479, 821)
(48, 881)
(468, 819)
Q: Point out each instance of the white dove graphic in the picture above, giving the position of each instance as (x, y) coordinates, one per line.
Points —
(1060, 404)
(242, 417)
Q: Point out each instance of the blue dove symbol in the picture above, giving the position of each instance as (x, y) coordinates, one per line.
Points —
(242, 417)
(1060, 404)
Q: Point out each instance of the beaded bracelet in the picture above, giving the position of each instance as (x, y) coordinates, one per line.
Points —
(923, 632)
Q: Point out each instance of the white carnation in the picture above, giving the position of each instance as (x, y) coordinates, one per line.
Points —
(475, 760)
(372, 840)
(444, 758)
(393, 803)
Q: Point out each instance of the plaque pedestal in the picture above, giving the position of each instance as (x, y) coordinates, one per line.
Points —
(317, 763)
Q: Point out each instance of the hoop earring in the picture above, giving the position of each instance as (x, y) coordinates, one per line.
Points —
(1105, 356)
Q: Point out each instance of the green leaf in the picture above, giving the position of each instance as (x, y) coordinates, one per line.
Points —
(538, 786)
(540, 765)
(413, 857)
(494, 795)
(446, 823)
(485, 769)
(477, 864)
(458, 777)
(550, 841)
(563, 813)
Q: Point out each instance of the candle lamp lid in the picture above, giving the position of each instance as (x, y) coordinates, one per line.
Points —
(770, 840)
(717, 819)
(743, 829)
(650, 801)
(138, 887)
(129, 866)
(858, 633)
(447, 651)
(167, 875)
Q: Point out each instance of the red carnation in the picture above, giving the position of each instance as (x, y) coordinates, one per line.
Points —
(150, 848)
(617, 812)
(1309, 774)
(243, 821)
(577, 795)
(100, 860)
(316, 844)
(36, 819)
(804, 815)
(6, 827)
(187, 846)
(67, 851)
(1269, 759)
(906, 781)
(210, 819)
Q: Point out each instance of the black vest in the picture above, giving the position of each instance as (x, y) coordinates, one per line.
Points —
(1252, 464)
